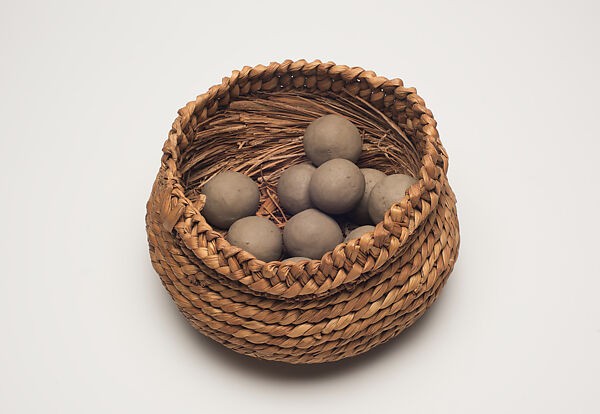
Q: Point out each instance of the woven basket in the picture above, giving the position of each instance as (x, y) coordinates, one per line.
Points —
(356, 297)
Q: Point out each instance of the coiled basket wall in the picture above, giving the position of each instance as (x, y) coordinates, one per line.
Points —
(356, 297)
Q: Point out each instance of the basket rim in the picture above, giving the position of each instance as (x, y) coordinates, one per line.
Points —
(177, 212)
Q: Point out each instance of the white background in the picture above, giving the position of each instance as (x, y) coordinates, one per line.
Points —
(88, 92)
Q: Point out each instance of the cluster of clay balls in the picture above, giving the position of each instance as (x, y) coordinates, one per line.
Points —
(312, 194)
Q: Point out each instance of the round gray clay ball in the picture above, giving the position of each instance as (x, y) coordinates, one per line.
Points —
(360, 214)
(358, 232)
(292, 188)
(256, 235)
(386, 192)
(337, 186)
(229, 197)
(295, 259)
(332, 136)
(311, 233)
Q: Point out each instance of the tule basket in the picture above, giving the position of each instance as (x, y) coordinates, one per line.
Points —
(356, 297)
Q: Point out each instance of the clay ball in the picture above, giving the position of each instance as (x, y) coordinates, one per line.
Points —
(358, 232)
(360, 214)
(337, 186)
(229, 197)
(292, 188)
(386, 192)
(256, 235)
(332, 136)
(311, 233)
(296, 259)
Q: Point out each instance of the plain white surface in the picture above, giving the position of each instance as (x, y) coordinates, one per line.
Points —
(88, 91)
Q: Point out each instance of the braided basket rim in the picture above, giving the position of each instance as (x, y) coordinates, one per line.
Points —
(177, 212)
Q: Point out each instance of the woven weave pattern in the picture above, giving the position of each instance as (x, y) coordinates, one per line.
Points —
(359, 295)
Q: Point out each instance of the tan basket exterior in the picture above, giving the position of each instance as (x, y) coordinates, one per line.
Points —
(358, 296)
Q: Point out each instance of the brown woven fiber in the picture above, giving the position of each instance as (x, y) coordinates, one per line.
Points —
(359, 295)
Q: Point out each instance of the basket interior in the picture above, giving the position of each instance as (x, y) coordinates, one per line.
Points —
(260, 135)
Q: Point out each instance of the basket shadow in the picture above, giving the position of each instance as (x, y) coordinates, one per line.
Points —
(289, 372)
